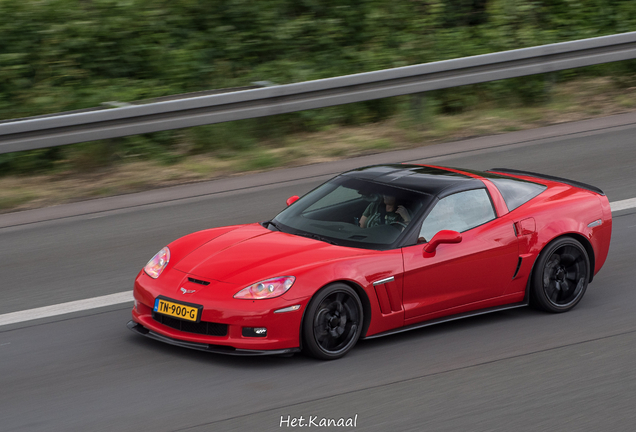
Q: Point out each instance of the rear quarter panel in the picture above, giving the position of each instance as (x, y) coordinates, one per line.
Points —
(566, 210)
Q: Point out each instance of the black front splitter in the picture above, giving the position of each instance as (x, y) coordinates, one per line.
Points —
(218, 349)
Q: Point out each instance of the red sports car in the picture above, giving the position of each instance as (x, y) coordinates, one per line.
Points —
(376, 251)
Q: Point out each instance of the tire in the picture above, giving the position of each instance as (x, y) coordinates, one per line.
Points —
(332, 322)
(560, 276)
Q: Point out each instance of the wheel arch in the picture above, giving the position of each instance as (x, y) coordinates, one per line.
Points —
(364, 299)
(366, 305)
(581, 239)
(588, 248)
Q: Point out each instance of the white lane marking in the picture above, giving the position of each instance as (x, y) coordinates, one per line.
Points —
(65, 308)
(124, 297)
(623, 205)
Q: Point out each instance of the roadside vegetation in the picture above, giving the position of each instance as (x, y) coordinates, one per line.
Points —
(95, 170)
(60, 55)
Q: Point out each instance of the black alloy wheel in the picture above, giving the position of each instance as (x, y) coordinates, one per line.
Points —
(332, 322)
(561, 275)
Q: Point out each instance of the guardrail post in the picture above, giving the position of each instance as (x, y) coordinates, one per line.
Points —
(418, 110)
(550, 80)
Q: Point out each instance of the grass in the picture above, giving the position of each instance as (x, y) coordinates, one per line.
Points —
(94, 178)
(258, 160)
(15, 199)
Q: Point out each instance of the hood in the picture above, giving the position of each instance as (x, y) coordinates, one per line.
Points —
(252, 253)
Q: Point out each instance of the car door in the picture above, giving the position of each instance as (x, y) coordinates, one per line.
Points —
(459, 277)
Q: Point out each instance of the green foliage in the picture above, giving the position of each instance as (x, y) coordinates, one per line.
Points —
(236, 136)
(33, 161)
(59, 55)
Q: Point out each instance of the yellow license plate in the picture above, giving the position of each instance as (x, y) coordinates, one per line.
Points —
(188, 312)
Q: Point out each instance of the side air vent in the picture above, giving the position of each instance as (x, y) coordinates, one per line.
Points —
(198, 281)
(518, 267)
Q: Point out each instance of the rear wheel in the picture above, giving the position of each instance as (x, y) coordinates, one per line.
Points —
(333, 322)
(560, 276)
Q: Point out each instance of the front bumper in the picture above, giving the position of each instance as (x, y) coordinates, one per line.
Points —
(219, 349)
(226, 318)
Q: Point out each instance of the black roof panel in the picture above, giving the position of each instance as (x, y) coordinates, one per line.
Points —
(429, 180)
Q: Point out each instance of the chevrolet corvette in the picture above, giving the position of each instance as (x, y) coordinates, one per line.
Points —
(373, 252)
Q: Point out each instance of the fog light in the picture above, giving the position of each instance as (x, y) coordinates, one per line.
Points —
(136, 306)
(254, 332)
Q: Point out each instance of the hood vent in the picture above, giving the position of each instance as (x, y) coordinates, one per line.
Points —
(198, 281)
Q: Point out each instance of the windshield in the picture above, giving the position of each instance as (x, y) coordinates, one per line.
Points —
(353, 212)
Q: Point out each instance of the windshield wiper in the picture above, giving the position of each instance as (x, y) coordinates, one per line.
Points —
(303, 234)
(274, 224)
(317, 237)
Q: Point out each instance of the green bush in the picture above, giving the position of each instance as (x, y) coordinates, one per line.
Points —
(58, 55)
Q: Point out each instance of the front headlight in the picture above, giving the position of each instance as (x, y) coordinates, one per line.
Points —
(158, 262)
(266, 289)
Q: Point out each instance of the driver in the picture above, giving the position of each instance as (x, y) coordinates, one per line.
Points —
(384, 213)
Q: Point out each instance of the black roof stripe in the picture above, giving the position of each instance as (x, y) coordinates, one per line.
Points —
(430, 180)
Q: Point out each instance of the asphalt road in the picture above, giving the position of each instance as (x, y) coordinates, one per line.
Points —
(516, 370)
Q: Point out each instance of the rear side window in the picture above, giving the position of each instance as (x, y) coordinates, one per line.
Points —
(516, 192)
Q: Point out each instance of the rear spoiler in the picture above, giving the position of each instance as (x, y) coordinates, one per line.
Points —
(549, 177)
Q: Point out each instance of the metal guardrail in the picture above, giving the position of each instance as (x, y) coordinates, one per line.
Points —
(116, 104)
(48, 131)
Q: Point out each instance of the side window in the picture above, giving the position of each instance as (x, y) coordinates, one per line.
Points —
(517, 192)
(458, 212)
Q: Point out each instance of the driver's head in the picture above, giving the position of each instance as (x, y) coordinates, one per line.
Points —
(390, 203)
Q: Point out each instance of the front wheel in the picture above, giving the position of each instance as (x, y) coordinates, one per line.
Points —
(333, 322)
(560, 276)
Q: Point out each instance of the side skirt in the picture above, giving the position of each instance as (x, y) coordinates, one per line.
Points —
(449, 318)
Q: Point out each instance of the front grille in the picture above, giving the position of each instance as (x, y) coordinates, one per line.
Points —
(202, 327)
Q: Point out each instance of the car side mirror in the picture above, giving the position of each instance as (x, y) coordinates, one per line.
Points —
(292, 199)
(443, 236)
